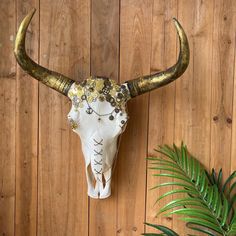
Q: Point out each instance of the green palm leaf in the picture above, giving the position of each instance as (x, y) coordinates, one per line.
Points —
(164, 231)
(197, 227)
(224, 187)
(206, 207)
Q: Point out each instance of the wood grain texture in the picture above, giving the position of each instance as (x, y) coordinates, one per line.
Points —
(64, 47)
(43, 189)
(233, 141)
(162, 101)
(222, 84)
(27, 127)
(135, 48)
(105, 62)
(7, 118)
(193, 90)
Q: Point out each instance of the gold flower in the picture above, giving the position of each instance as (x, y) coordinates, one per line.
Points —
(73, 124)
(99, 85)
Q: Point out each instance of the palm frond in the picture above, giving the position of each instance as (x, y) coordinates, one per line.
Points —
(227, 188)
(232, 229)
(199, 228)
(224, 187)
(204, 206)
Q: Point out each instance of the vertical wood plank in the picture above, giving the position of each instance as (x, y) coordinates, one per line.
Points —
(64, 47)
(27, 132)
(233, 142)
(162, 102)
(7, 118)
(135, 52)
(105, 62)
(222, 84)
(193, 90)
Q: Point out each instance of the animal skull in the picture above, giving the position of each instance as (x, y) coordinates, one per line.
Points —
(98, 113)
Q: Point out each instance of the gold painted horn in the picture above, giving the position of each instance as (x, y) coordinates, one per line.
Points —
(147, 83)
(50, 78)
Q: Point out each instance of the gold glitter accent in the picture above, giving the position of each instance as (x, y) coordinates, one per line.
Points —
(52, 79)
(101, 89)
(150, 82)
(73, 124)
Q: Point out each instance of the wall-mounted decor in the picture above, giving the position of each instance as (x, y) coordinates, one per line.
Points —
(98, 113)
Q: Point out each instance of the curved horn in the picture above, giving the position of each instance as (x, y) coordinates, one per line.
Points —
(50, 78)
(149, 82)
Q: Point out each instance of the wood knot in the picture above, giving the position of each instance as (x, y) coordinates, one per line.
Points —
(134, 229)
(215, 118)
(25, 163)
(229, 120)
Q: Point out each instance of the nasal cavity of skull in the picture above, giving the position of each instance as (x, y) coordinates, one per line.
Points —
(91, 176)
(93, 180)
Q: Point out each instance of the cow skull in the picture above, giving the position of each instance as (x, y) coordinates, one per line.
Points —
(98, 113)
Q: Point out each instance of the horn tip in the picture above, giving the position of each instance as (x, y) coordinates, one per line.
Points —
(33, 10)
(24, 24)
(176, 21)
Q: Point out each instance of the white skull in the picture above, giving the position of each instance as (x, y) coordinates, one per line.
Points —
(98, 112)
(98, 115)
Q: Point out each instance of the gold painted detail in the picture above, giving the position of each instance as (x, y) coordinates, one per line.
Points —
(99, 89)
(74, 125)
(50, 78)
(148, 83)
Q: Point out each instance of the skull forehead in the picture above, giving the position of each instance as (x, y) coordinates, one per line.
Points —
(101, 88)
(98, 104)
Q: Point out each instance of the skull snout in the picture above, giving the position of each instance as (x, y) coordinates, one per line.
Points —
(99, 156)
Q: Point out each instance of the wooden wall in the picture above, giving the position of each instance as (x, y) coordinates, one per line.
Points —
(42, 178)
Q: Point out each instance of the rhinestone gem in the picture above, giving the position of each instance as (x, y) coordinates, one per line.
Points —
(111, 117)
(111, 100)
(120, 95)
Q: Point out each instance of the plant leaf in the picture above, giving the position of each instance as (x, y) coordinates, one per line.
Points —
(203, 223)
(228, 180)
(206, 205)
(202, 230)
(171, 192)
(189, 187)
(198, 213)
(163, 229)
